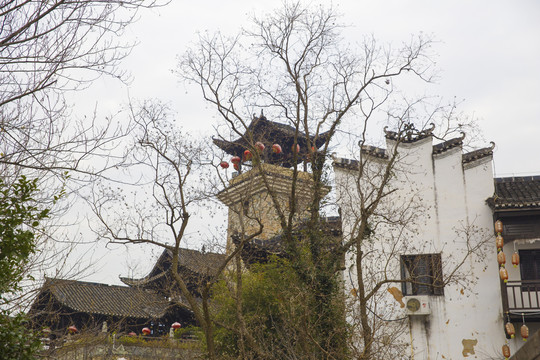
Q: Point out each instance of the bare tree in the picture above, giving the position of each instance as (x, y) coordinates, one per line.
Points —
(167, 178)
(293, 64)
(48, 49)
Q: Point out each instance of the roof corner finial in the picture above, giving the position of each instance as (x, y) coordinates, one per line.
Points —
(492, 145)
(429, 131)
(262, 114)
(462, 135)
(385, 129)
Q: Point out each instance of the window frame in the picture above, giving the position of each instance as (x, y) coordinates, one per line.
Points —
(429, 281)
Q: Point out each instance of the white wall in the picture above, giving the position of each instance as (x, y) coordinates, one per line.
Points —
(450, 216)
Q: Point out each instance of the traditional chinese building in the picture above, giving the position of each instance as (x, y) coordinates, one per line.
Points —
(153, 301)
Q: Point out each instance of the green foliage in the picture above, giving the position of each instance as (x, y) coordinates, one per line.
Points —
(279, 312)
(19, 218)
(16, 341)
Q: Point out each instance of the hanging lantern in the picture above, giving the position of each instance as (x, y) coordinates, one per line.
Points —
(276, 148)
(510, 330)
(498, 226)
(501, 258)
(259, 146)
(236, 167)
(247, 155)
(297, 148)
(236, 160)
(224, 164)
(176, 325)
(503, 274)
(500, 242)
(524, 332)
(132, 334)
(515, 259)
(506, 351)
(72, 329)
(146, 331)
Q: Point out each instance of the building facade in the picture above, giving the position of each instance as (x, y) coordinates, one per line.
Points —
(430, 244)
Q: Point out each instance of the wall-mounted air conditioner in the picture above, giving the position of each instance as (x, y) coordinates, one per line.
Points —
(417, 305)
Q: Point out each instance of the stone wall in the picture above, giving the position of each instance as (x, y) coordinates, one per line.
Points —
(106, 350)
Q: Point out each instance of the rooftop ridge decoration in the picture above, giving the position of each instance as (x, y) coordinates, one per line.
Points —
(478, 154)
(440, 148)
(409, 134)
(448, 144)
(268, 133)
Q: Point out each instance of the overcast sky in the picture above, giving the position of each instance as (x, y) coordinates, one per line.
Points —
(488, 54)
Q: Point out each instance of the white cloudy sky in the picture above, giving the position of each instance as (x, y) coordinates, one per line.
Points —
(488, 53)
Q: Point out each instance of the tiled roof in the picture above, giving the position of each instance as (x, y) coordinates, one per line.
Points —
(478, 154)
(270, 132)
(437, 149)
(447, 145)
(516, 193)
(206, 264)
(112, 300)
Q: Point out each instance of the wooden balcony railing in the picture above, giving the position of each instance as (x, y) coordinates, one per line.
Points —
(522, 296)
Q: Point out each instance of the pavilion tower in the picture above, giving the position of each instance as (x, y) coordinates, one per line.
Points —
(250, 194)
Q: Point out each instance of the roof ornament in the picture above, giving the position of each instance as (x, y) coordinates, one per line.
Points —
(409, 133)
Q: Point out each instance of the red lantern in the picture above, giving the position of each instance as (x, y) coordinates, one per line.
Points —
(236, 167)
(524, 332)
(501, 258)
(297, 148)
(503, 274)
(500, 242)
(224, 164)
(132, 334)
(510, 330)
(176, 325)
(276, 148)
(259, 146)
(72, 329)
(247, 155)
(498, 226)
(506, 351)
(515, 259)
(236, 160)
(146, 331)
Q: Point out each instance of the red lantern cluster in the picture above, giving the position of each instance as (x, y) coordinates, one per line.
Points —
(259, 148)
(146, 331)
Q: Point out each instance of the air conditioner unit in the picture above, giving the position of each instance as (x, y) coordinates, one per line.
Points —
(417, 305)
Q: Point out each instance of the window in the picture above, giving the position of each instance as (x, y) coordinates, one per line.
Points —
(530, 269)
(424, 272)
